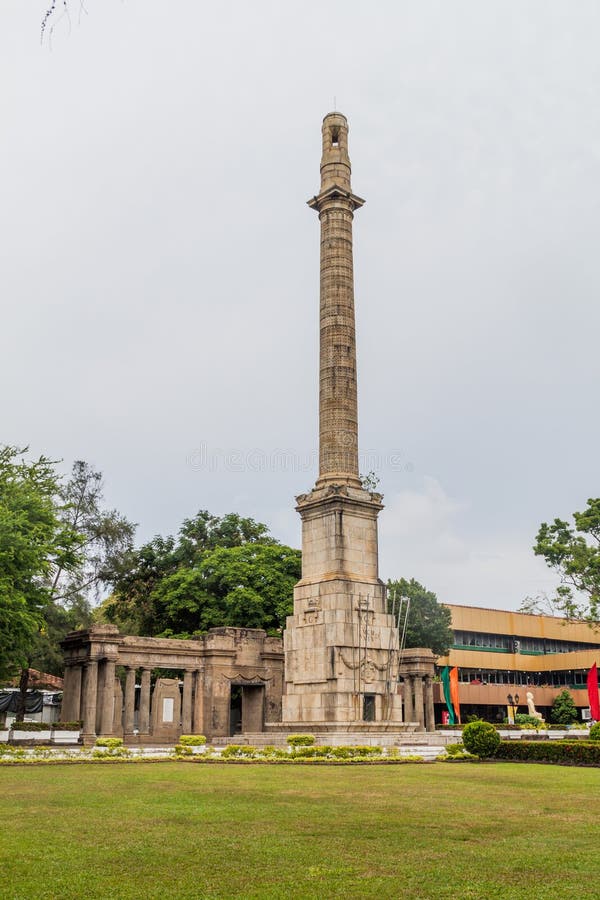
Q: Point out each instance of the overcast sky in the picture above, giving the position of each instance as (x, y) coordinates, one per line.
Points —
(159, 265)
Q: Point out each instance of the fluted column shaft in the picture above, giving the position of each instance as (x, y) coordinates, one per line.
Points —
(338, 409)
(71, 704)
(407, 696)
(144, 720)
(108, 698)
(429, 707)
(129, 720)
(198, 723)
(186, 711)
(90, 691)
(419, 708)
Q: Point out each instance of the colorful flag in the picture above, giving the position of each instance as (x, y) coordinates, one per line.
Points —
(454, 692)
(592, 686)
(447, 694)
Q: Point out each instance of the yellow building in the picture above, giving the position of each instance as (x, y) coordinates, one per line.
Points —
(499, 653)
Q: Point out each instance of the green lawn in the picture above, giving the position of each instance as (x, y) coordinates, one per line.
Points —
(214, 831)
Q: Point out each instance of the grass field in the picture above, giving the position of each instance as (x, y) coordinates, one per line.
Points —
(178, 830)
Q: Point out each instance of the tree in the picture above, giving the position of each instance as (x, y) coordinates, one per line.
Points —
(563, 711)
(35, 543)
(70, 580)
(107, 536)
(574, 553)
(428, 622)
(219, 571)
(248, 586)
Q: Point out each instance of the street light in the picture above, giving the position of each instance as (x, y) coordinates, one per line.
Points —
(513, 703)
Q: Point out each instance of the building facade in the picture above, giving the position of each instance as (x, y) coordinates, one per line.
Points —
(498, 652)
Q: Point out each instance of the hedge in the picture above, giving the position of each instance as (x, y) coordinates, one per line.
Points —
(300, 740)
(31, 726)
(569, 753)
(192, 740)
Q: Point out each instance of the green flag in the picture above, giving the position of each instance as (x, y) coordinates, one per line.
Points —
(447, 696)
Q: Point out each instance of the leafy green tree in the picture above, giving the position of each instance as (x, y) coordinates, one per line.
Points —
(563, 711)
(103, 536)
(428, 622)
(249, 586)
(573, 552)
(35, 543)
(219, 571)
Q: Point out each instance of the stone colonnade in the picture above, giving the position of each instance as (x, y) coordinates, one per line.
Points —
(211, 665)
(417, 667)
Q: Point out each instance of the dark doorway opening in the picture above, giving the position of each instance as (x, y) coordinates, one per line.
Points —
(235, 710)
(369, 708)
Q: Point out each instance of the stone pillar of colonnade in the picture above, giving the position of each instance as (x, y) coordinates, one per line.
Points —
(407, 694)
(71, 703)
(129, 716)
(419, 709)
(186, 708)
(107, 700)
(144, 715)
(90, 699)
(429, 707)
(198, 712)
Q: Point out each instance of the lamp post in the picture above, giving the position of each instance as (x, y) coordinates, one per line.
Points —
(513, 704)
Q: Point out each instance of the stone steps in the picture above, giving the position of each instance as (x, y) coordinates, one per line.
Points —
(340, 739)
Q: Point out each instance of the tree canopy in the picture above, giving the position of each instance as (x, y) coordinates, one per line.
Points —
(428, 622)
(218, 571)
(573, 552)
(35, 543)
(57, 547)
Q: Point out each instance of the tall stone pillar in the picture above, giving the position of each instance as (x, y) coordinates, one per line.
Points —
(198, 717)
(340, 641)
(144, 713)
(419, 708)
(407, 696)
(186, 709)
(90, 691)
(429, 707)
(108, 698)
(338, 407)
(129, 718)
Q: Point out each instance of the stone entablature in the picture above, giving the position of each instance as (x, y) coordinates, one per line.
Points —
(223, 657)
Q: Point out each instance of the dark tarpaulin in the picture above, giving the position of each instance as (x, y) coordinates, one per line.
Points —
(34, 701)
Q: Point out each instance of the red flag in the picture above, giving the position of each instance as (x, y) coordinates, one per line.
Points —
(592, 686)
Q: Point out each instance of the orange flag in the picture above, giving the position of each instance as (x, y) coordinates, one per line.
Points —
(454, 692)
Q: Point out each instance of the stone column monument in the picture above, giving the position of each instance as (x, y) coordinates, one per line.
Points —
(341, 647)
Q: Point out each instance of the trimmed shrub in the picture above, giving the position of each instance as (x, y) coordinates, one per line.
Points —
(454, 749)
(182, 750)
(301, 740)
(109, 743)
(31, 726)
(238, 750)
(566, 753)
(192, 740)
(67, 726)
(481, 739)
(528, 721)
(109, 747)
(595, 732)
